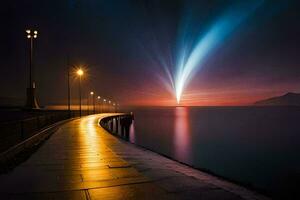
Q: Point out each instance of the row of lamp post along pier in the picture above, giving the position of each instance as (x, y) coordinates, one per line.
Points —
(31, 101)
(104, 105)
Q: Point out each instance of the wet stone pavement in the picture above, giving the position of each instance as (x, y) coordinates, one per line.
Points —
(81, 161)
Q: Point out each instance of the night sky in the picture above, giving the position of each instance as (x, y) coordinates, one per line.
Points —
(124, 45)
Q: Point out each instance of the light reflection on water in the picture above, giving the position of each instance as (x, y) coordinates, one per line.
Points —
(132, 132)
(181, 134)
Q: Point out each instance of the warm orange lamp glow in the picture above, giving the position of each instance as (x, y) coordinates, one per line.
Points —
(79, 72)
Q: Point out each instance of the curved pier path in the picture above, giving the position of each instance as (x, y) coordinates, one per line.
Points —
(83, 161)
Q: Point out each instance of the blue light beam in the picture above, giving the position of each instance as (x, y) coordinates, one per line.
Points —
(219, 31)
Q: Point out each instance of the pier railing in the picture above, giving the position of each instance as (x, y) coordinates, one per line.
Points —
(14, 132)
(118, 124)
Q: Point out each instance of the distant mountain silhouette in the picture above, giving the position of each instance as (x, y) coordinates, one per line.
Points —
(289, 99)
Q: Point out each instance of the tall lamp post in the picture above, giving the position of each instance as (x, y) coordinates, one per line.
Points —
(93, 100)
(109, 108)
(117, 107)
(99, 106)
(114, 107)
(104, 102)
(69, 89)
(88, 104)
(31, 99)
(79, 73)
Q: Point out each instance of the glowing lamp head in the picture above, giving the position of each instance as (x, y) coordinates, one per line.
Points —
(104, 100)
(31, 34)
(92, 93)
(79, 72)
(98, 97)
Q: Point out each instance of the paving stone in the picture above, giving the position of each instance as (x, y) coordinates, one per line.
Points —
(204, 194)
(183, 183)
(129, 192)
(70, 195)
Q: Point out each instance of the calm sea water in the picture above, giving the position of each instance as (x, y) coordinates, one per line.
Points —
(257, 146)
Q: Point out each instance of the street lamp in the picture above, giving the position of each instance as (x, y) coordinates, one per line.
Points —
(109, 108)
(104, 102)
(92, 94)
(114, 107)
(79, 73)
(31, 99)
(69, 89)
(99, 106)
(117, 107)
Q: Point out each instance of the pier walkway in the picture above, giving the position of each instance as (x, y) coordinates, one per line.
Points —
(82, 161)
